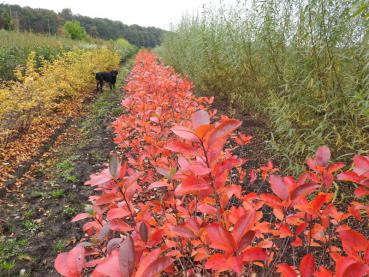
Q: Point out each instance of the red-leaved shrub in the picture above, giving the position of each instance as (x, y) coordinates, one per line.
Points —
(173, 199)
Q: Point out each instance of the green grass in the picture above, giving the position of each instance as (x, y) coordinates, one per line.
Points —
(30, 226)
(29, 214)
(304, 67)
(38, 194)
(58, 193)
(69, 211)
(11, 249)
(66, 169)
(58, 247)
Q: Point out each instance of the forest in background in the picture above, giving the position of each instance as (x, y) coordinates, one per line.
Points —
(14, 17)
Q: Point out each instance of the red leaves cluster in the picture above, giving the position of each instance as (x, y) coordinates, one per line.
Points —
(168, 202)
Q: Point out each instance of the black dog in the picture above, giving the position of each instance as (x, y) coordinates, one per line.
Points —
(109, 77)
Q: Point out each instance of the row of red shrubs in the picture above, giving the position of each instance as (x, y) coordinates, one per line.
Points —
(175, 203)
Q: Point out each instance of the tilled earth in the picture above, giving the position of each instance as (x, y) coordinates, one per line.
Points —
(35, 218)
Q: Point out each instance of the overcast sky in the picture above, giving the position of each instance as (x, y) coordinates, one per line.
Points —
(158, 13)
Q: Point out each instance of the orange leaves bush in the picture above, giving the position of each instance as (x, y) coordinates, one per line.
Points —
(172, 200)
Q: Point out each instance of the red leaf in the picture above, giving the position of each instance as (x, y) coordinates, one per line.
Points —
(199, 118)
(185, 133)
(199, 169)
(110, 266)
(159, 184)
(217, 262)
(285, 231)
(203, 130)
(113, 244)
(278, 186)
(349, 267)
(303, 190)
(235, 263)
(117, 213)
(61, 265)
(361, 192)
(349, 176)
(322, 156)
(181, 147)
(182, 231)
(253, 176)
(301, 228)
(327, 179)
(318, 202)
(307, 266)
(191, 185)
(286, 270)
(353, 241)
(207, 209)
(81, 216)
(157, 266)
(361, 164)
(254, 254)
(106, 199)
(144, 232)
(163, 171)
(335, 167)
(323, 272)
(271, 200)
(224, 129)
(246, 241)
(119, 225)
(127, 257)
(146, 259)
(76, 261)
(100, 178)
(243, 225)
(220, 238)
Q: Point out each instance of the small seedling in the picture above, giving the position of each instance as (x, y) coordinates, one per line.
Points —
(38, 194)
(58, 247)
(69, 211)
(30, 226)
(58, 193)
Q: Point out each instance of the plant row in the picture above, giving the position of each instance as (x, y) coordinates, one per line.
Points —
(173, 200)
(41, 91)
(15, 48)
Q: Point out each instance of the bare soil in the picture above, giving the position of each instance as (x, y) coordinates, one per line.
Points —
(35, 218)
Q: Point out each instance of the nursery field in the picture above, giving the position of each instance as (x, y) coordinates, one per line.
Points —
(152, 180)
(177, 197)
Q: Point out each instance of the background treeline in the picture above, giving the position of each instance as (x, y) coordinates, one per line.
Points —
(301, 64)
(14, 17)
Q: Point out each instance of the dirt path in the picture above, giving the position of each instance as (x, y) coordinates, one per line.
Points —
(35, 223)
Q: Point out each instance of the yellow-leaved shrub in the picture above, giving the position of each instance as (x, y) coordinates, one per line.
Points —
(42, 91)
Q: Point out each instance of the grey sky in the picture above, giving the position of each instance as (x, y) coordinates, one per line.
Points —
(158, 13)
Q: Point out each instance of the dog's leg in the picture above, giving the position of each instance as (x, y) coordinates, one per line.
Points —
(101, 86)
(111, 86)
